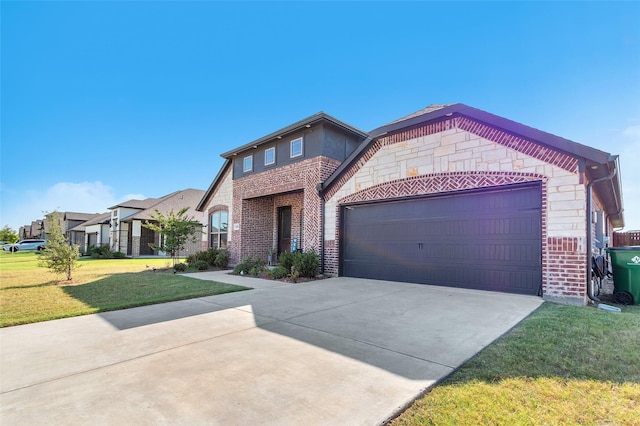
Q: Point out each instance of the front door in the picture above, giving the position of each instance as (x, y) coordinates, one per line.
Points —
(284, 229)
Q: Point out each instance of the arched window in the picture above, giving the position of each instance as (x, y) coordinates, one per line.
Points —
(218, 225)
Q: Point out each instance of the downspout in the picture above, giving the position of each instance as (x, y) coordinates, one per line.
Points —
(589, 231)
(322, 201)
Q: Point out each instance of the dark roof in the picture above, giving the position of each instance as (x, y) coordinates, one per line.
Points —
(320, 117)
(174, 201)
(79, 216)
(595, 163)
(136, 204)
(99, 219)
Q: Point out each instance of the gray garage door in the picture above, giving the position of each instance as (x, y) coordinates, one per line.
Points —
(488, 240)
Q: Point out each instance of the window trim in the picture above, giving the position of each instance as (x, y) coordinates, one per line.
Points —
(218, 234)
(272, 149)
(301, 148)
(244, 164)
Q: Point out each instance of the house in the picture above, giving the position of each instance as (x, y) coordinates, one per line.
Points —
(73, 229)
(449, 195)
(70, 226)
(129, 236)
(35, 230)
(96, 230)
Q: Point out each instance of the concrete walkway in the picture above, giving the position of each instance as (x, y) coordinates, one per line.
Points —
(338, 351)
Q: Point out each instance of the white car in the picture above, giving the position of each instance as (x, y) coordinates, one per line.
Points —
(25, 245)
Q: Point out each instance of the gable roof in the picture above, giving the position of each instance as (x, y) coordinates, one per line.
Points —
(320, 117)
(97, 219)
(102, 218)
(78, 216)
(174, 201)
(312, 120)
(136, 204)
(598, 166)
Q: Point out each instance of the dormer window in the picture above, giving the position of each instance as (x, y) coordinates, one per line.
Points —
(296, 148)
(247, 164)
(270, 156)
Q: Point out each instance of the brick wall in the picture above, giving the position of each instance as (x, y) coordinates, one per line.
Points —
(258, 196)
(564, 271)
(459, 154)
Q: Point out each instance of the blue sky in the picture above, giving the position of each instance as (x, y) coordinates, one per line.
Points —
(107, 101)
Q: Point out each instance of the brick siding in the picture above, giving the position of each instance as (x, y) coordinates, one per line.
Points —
(258, 196)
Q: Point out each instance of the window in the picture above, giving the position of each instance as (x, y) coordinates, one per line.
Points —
(218, 229)
(247, 164)
(270, 156)
(296, 147)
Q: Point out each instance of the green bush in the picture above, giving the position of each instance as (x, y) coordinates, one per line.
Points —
(201, 265)
(212, 256)
(118, 255)
(279, 272)
(222, 258)
(250, 265)
(306, 264)
(99, 252)
(198, 256)
(191, 259)
(179, 267)
(286, 259)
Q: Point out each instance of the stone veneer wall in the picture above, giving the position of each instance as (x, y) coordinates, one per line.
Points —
(222, 199)
(458, 154)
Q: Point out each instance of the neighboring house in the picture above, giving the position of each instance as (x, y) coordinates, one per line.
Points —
(450, 195)
(69, 223)
(96, 230)
(35, 230)
(73, 227)
(127, 234)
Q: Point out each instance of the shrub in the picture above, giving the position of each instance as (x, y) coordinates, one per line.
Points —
(118, 255)
(222, 258)
(99, 252)
(305, 264)
(279, 272)
(197, 256)
(250, 265)
(286, 260)
(179, 267)
(201, 265)
(210, 255)
(191, 259)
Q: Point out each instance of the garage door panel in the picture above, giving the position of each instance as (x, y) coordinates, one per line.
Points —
(487, 240)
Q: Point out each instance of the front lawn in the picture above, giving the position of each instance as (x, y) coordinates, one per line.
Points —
(562, 365)
(29, 293)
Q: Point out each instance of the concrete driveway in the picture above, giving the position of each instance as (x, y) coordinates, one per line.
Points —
(338, 351)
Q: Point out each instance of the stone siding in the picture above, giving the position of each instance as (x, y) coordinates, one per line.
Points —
(459, 154)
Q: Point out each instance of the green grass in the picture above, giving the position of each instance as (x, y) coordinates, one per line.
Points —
(562, 365)
(29, 293)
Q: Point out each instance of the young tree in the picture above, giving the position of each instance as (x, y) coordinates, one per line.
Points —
(59, 256)
(8, 235)
(175, 230)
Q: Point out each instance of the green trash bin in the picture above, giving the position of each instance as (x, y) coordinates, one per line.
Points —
(626, 274)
